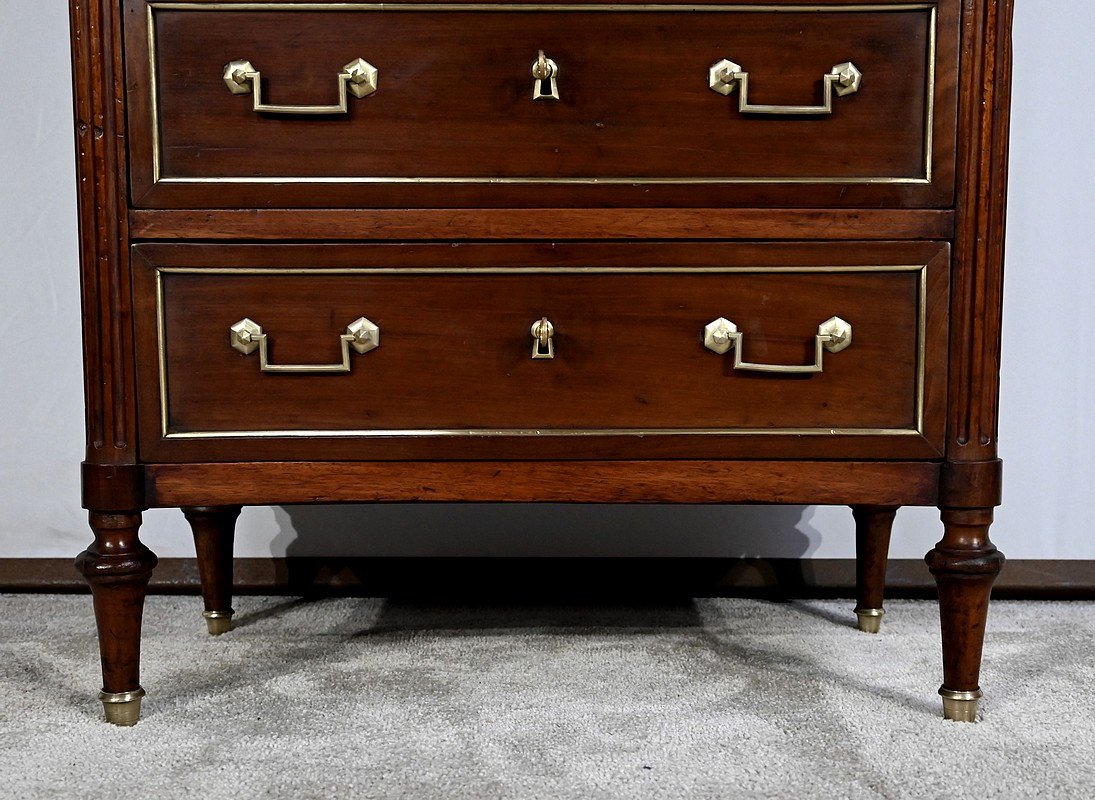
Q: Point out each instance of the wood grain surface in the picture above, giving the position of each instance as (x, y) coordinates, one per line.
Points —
(454, 102)
(902, 174)
(455, 351)
(553, 224)
(664, 481)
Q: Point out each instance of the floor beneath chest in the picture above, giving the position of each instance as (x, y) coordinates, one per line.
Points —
(701, 698)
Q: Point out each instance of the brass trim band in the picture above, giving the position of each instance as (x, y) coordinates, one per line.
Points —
(869, 620)
(960, 706)
(157, 172)
(545, 433)
(964, 696)
(121, 697)
(167, 433)
(569, 7)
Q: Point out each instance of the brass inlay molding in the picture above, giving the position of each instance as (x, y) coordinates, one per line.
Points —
(520, 270)
(546, 433)
(166, 433)
(572, 7)
(158, 177)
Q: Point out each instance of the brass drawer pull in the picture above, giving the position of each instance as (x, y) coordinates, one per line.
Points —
(721, 336)
(361, 334)
(724, 77)
(359, 77)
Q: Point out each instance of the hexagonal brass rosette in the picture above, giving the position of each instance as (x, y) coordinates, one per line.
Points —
(839, 333)
(718, 335)
(722, 77)
(363, 77)
(366, 335)
(238, 76)
(244, 336)
(849, 78)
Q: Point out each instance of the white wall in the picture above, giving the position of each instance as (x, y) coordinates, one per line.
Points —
(1047, 429)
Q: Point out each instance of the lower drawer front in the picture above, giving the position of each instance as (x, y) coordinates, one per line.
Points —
(636, 355)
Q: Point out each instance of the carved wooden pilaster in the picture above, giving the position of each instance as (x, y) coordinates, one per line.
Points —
(965, 562)
(101, 173)
(977, 284)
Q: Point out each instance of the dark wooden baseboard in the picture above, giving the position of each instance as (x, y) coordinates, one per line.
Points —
(562, 578)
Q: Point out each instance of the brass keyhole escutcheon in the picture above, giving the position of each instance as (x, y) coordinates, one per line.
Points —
(545, 72)
(543, 338)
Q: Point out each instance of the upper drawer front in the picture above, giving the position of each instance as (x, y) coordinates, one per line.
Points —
(453, 121)
(640, 358)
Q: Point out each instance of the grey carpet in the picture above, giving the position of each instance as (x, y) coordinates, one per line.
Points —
(711, 698)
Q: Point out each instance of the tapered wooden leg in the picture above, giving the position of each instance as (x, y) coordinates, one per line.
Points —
(965, 565)
(214, 532)
(872, 548)
(117, 566)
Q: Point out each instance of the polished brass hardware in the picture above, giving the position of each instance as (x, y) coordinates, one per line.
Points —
(925, 179)
(122, 708)
(167, 433)
(960, 706)
(543, 342)
(218, 622)
(544, 75)
(725, 76)
(359, 78)
(869, 620)
(361, 334)
(721, 336)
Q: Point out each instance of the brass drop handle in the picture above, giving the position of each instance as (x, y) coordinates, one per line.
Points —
(543, 342)
(725, 76)
(246, 336)
(545, 72)
(358, 78)
(721, 336)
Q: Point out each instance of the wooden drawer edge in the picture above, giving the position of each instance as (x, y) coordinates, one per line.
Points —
(509, 223)
(924, 442)
(797, 482)
(155, 185)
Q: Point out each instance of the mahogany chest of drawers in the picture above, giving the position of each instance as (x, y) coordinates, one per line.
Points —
(574, 252)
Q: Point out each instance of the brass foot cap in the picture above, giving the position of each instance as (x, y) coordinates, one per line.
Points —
(960, 706)
(122, 708)
(218, 622)
(869, 619)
